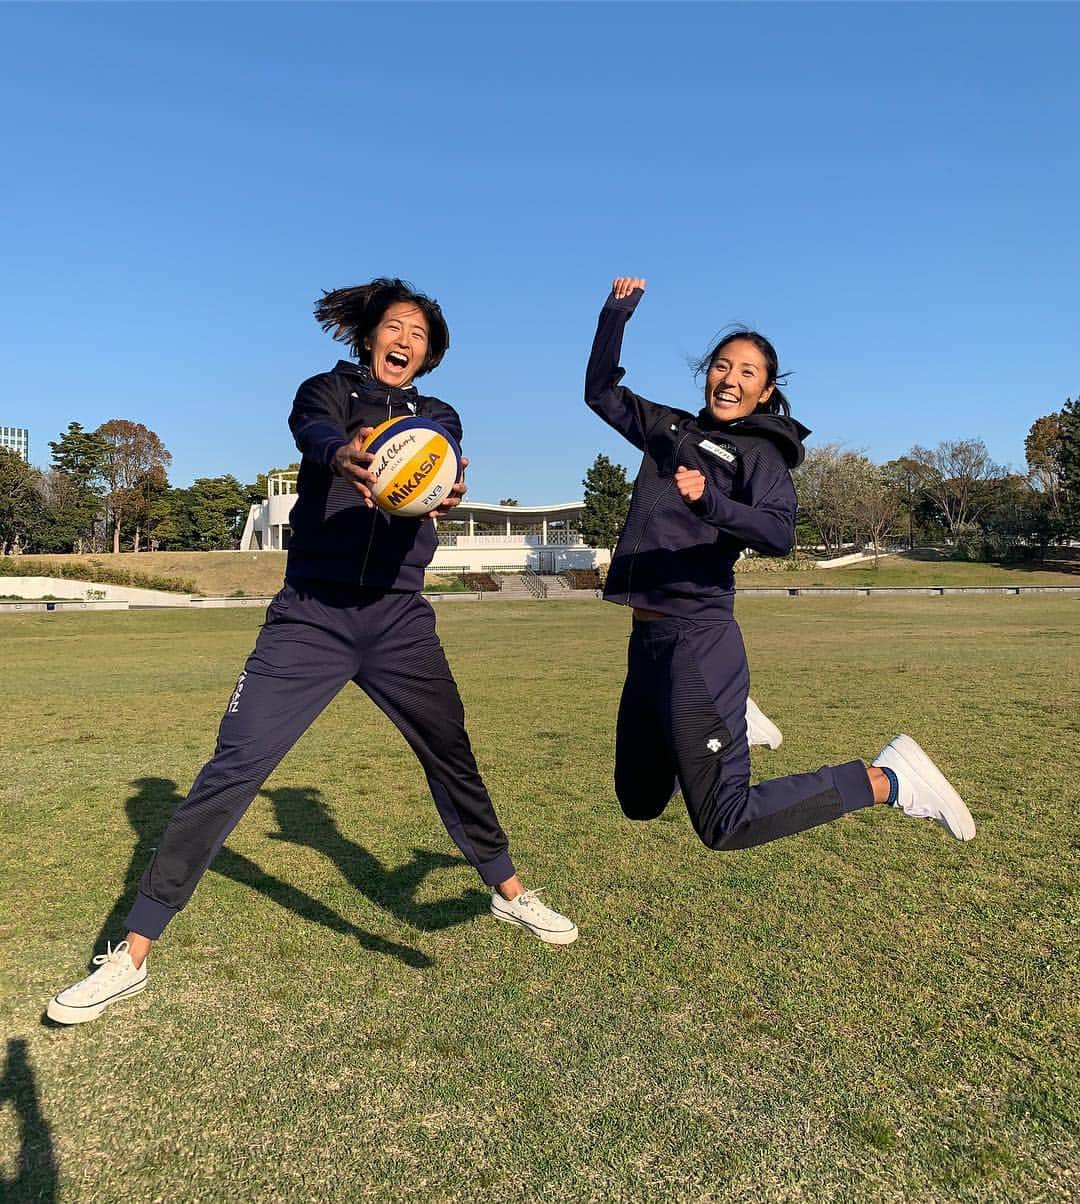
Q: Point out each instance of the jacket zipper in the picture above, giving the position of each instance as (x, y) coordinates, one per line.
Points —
(378, 513)
(648, 518)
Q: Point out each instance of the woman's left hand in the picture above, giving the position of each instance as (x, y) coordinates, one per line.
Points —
(690, 483)
(457, 492)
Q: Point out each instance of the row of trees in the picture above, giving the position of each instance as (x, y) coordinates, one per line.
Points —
(953, 494)
(109, 489)
(110, 486)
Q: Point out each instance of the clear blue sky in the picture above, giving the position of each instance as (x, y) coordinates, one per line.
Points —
(889, 192)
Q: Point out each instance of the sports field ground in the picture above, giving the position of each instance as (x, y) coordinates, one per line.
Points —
(869, 1011)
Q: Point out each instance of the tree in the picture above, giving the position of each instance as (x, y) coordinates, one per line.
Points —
(258, 490)
(1069, 459)
(508, 501)
(22, 507)
(1043, 448)
(917, 514)
(607, 499)
(134, 469)
(170, 521)
(827, 484)
(954, 476)
(876, 500)
(218, 508)
(75, 487)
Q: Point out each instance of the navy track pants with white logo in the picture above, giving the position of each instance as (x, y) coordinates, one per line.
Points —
(315, 640)
(682, 720)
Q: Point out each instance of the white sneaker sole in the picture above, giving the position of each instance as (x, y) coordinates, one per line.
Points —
(548, 936)
(909, 759)
(66, 1013)
(760, 729)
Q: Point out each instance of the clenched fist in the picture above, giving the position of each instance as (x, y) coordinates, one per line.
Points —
(690, 483)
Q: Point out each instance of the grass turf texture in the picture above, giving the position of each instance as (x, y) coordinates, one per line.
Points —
(870, 1011)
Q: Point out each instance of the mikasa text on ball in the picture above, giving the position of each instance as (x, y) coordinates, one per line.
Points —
(416, 461)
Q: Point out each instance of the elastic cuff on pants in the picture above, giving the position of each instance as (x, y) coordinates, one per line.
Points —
(148, 917)
(499, 869)
(853, 782)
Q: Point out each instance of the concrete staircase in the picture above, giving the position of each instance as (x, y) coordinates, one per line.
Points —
(512, 586)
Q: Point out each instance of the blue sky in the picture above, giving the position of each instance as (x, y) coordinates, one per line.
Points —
(889, 192)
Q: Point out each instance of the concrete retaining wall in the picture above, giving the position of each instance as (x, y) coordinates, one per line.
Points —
(821, 591)
(60, 604)
(90, 591)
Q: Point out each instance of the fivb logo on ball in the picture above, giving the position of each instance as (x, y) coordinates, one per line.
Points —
(416, 462)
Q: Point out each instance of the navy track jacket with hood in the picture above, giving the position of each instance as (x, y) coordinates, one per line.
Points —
(675, 558)
(335, 537)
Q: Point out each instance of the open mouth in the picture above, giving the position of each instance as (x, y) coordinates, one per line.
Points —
(728, 399)
(396, 360)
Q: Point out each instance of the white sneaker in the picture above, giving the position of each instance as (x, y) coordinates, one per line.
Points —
(924, 792)
(116, 978)
(760, 729)
(530, 913)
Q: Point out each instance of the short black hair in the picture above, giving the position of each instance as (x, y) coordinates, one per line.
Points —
(351, 314)
(777, 403)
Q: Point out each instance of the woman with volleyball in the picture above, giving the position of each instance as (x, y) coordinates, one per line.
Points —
(350, 610)
(710, 485)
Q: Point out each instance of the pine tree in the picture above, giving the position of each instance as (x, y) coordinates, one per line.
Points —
(607, 499)
(76, 487)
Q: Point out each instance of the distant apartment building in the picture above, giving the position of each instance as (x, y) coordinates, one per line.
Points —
(16, 439)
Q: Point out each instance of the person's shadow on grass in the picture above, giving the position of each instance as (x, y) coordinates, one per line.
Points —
(36, 1176)
(304, 819)
(150, 809)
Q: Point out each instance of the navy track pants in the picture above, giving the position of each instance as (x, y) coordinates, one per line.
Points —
(314, 641)
(682, 720)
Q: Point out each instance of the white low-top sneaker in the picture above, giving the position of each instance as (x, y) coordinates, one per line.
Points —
(115, 978)
(527, 911)
(924, 792)
(760, 729)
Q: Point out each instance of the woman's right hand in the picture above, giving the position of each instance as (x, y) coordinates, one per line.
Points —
(623, 286)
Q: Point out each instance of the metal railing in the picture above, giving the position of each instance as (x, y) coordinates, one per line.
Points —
(533, 584)
(530, 539)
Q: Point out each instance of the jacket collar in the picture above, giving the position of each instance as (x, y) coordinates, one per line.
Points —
(367, 379)
(787, 434)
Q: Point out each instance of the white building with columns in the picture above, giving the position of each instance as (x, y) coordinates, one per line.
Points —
(477, 537)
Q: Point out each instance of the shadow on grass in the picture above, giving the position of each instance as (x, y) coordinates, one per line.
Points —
(304, 819)
(149, 810)
(1058, 560)
(36, 1176)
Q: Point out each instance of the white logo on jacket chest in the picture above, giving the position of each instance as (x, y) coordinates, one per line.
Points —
(714, 449)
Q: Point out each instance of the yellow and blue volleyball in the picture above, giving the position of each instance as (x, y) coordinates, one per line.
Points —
(416, 462)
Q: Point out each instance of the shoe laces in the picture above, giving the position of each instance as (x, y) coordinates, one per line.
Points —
(528, 897)
(111, 956)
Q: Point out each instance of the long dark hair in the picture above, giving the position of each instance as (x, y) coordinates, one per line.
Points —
(351, 314)
(777, 403)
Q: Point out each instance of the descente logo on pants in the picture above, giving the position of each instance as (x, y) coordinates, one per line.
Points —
(234, 702)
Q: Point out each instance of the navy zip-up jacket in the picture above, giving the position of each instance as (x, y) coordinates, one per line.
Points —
(335, 537)
(675, 558)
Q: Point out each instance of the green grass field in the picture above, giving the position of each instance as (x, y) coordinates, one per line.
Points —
(869, 1011)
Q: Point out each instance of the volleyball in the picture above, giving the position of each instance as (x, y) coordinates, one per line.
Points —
(416, 461)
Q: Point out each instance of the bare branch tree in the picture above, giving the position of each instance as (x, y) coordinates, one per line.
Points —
(954, 476)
